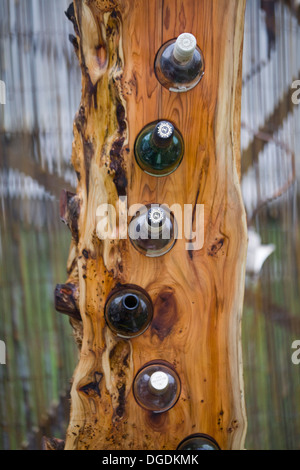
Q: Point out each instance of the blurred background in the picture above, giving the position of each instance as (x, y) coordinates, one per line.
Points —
(43, 82)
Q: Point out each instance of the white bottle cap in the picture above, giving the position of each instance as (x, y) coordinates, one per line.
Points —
(185, 47)
(159, 382)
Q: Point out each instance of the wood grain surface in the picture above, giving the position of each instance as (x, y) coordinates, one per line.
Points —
(197, 295)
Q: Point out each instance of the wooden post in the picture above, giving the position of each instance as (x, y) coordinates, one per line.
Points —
(197, 295)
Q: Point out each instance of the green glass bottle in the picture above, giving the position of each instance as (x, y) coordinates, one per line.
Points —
(159, 148)
(198, 442)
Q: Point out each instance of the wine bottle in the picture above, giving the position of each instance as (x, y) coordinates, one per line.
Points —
(179, 64)
(128, 311)
(198, 442)
(153, 230)
(157, 388)
(159, 148)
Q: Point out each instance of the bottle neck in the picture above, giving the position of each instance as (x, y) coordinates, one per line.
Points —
(184, 48)
(155, 220)
(156, 145)
(162, 135)
(159, 383)
(183, 63)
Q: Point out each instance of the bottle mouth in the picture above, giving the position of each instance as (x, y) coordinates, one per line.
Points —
(131, 301)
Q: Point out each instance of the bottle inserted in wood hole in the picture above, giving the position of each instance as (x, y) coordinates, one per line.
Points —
(159, 148)
(128, 311)
(179, 64)
(153, 230)
(198, 442)
(157, 388)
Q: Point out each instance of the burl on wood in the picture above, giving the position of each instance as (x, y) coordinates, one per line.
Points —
(197, 295)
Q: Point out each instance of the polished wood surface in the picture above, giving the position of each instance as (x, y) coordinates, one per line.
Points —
(197, 295)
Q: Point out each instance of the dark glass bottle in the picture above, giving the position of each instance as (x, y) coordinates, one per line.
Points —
(128, 311)
(153, 230)
(157, 388)
(198, 442)
(179, 64)
(159, 148)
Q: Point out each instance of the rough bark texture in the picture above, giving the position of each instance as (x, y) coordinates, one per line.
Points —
(197, 295)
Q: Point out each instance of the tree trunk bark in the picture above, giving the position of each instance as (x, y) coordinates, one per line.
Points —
(197, 295)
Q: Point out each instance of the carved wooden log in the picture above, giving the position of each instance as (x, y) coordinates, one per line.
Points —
(197, 295)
